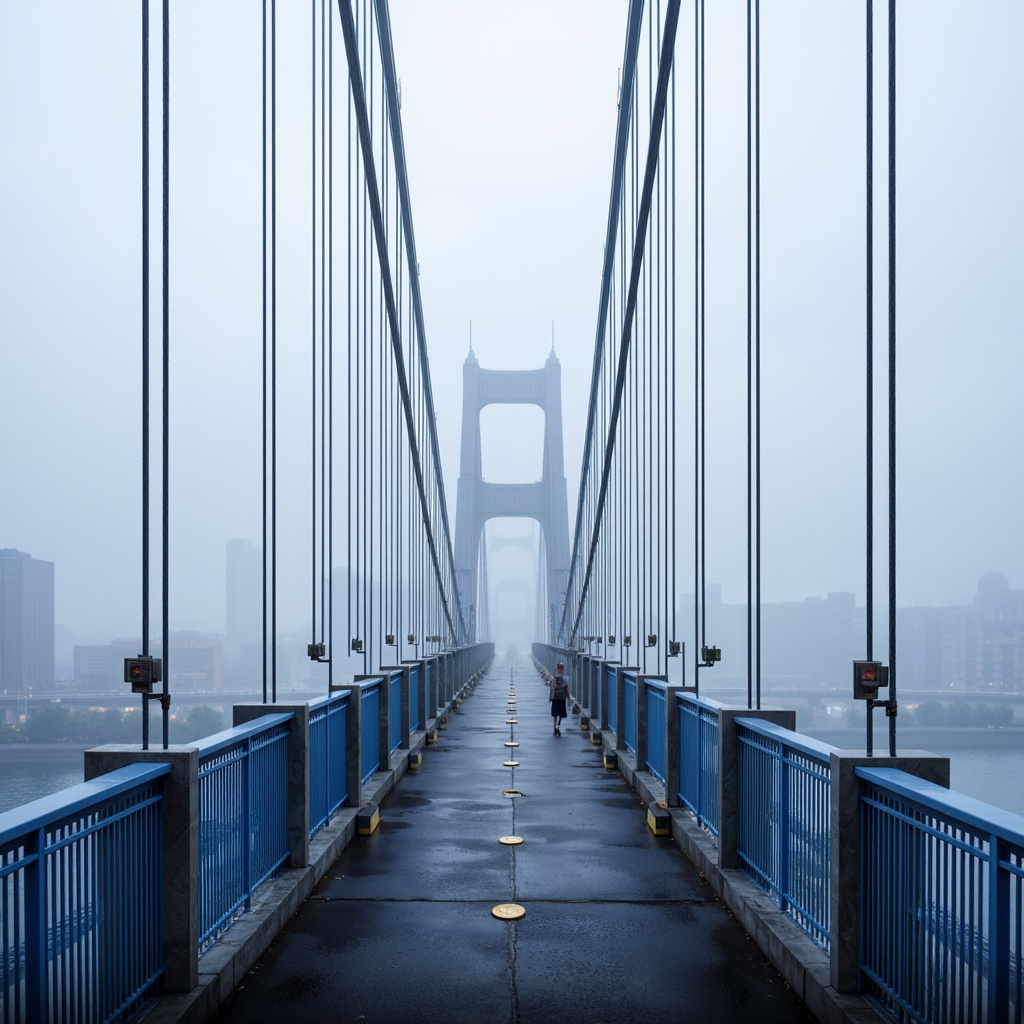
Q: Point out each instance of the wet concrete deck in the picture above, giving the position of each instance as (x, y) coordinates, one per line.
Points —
(619, 926)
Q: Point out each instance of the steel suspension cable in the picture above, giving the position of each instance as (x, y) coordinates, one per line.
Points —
(891, 710)
(699, 595)
(401, 177)
(750, 373)
(273, 351)
(312, 279)
(145, 335)
(166, 553)
(634, 23)
(145, 358)
(373, 200)
(869, 330)
(323, 321)
(264, 392)
(352, 590)
(665, 64)
(672, 523)
(757, 346)
(330, 348)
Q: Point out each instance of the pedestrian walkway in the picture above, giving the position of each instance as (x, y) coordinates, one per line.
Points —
(618, 925)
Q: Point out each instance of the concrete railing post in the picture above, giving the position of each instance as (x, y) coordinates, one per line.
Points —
(729, 773)
(600, 670)
(403, 714)
(433, 694)
(354, 744)
(298, 770)
(593, 690)
(620, 704)
(423, 701)
(844, 962)
(672, 782)
(180, 852)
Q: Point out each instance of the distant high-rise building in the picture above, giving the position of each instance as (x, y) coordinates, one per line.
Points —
(983, 644)
(196, 664)
(26, 622)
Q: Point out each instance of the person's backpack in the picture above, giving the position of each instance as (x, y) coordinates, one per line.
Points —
(561, 690)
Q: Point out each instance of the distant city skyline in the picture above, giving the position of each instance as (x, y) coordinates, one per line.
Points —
(809, 642)
(26, 622)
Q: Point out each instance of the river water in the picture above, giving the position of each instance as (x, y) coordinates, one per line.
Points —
(993, 773)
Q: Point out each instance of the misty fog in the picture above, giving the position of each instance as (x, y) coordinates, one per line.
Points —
(509, 115)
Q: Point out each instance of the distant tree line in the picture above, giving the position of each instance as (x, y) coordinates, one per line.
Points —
(61, 723)
(933, 713)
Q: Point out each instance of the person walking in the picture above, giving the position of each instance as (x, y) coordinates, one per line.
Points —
(558, 694)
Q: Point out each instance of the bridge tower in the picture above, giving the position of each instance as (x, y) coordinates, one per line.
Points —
(543, 500)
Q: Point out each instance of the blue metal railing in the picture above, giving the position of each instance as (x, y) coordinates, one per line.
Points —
(698, 760)
(243, 817)
(784, 809)
(610, 703)
(328, 758)
(369, 729)
(394, 711)
(657, 710)
(629, 711)
(414, 698)
(942, 901)
(81, 897)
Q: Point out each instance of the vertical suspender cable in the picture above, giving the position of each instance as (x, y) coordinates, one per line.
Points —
(892, 377)
(757, 347)
(696, 344)
(372, 199)
(273, 350)
(323, 319)
(165, 703)
(351, 479)
(145, 329)
(312, 329)
(264, 464)
(145, 354)
(330, 349)
(595, 410)
(754, 356)
(700, 594)
(750, 377)
(869, 328)
(642, 220)
(671, 523)
(703, 361)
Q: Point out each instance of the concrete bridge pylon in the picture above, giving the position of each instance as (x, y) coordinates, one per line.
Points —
(544, 501)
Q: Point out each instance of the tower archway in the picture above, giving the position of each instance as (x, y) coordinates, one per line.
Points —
(542, 500)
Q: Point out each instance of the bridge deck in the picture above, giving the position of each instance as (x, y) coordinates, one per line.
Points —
(618, 925)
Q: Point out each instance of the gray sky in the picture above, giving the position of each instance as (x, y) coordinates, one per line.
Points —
(509, 114)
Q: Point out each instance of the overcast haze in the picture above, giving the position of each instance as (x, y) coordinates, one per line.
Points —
(509, 115)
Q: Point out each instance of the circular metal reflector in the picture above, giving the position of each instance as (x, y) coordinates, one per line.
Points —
(509, 911)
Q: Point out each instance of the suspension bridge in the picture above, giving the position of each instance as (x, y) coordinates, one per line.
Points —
(419, 840)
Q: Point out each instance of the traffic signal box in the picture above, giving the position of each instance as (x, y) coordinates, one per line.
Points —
(868, 677)
(142, 672)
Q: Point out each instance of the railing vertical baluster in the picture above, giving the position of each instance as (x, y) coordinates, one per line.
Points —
(783, 827)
